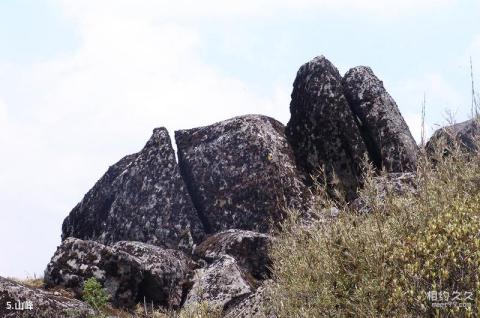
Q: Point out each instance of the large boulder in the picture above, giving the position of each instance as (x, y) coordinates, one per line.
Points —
(129, 271)
(141, 198)
(250, 250)
(465, 135)
(386, 134)
(220, 283)
(34, 302)
(323, 130)
(241, 173)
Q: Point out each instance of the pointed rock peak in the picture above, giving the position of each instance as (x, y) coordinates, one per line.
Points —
(141, 198)
(322, 129)
(361, 70)
(159, 136)
(318, 65)
(388, 138)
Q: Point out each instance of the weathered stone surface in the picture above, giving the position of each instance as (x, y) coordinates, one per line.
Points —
(386, 134)
(250, 307)
(241, 173)
(164, 271)
(75, 261)
(44, 304)
(322, 129)
(250, 250)
(218, 284)
(464, 134)
(399, 183)
(141, 198)
(129, 271)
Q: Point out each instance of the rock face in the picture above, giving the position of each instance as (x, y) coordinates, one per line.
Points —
(385, 132)
(322, 129)
(140, 198)
(249, 249)
(44, 304)
(129, 271)
(241, 173)
(464, 134)
(218, 284)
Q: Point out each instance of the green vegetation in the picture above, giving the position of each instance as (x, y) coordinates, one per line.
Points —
(399, 260)
(94, 294)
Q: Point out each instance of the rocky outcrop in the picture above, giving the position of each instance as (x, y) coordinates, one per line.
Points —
(386, 134)
(464, 134)
(322, 129)
(249, 249)
(141, 198)
(129, 271)
(218, 284)
(241, 173)
(43, 304)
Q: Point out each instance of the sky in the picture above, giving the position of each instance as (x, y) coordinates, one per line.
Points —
(84, 82)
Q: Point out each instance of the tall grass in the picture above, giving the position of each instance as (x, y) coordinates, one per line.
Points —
(391, 261)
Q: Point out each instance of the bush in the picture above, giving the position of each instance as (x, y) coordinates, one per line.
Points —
(94, 294)
(389, 262)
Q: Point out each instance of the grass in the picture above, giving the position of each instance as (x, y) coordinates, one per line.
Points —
(393, 260)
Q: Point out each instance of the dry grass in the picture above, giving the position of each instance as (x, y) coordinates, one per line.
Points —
(383, 264)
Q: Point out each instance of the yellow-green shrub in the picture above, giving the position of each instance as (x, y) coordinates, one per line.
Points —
(383, 263)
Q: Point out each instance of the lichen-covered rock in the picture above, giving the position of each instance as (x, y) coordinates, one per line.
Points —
(241, 173)
(129, 271)
(386, 134)
(76, 261)
(252, 306)
(165, 272)
(250, 250)
(43, 304)
(322, 129)
(218, 284)
(141, 198)
(464, 134)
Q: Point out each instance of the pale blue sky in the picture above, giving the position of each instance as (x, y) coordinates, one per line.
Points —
(84, 82)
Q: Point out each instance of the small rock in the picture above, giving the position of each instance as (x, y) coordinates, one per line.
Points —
(129, 271)
(250, 307)
(464, 134)
(218, 284)
(44, 304)
(250, 250)
(164, 272)
(76, 261)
